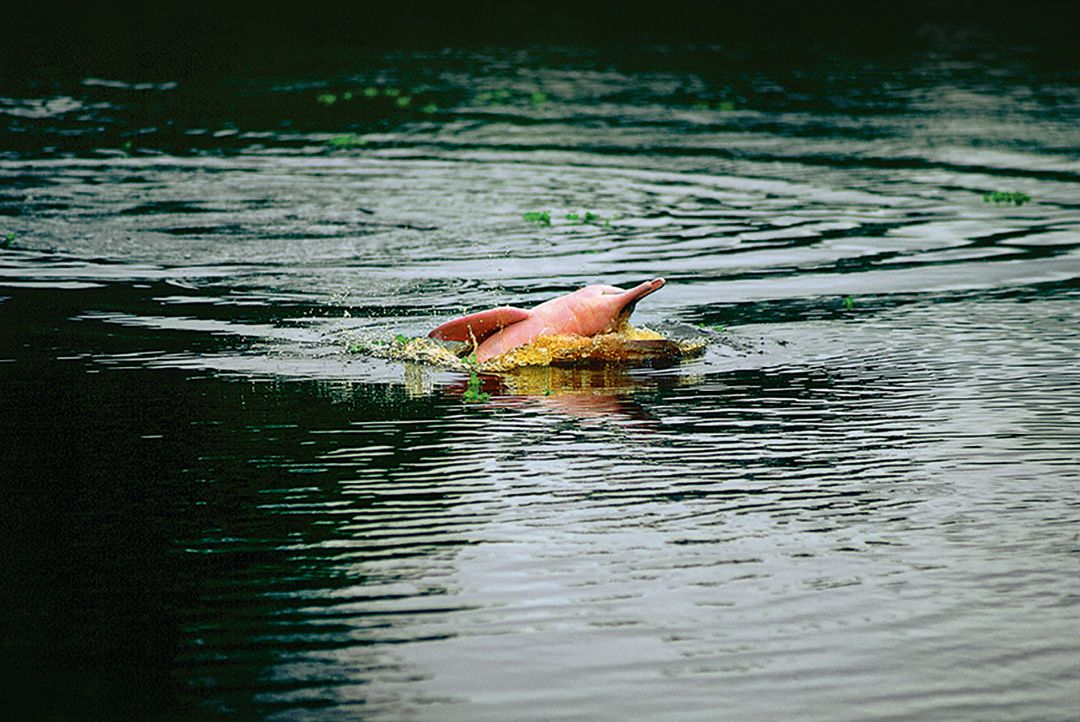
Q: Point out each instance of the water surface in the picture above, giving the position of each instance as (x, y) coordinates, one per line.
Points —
(860, 503)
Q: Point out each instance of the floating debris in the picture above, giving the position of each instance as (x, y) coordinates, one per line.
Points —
(1014, 197)
(541, 218)
(588, 217)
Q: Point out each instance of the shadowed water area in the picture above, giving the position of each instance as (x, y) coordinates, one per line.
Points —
(860, 502)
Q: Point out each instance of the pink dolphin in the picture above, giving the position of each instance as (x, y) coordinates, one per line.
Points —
(585, 312)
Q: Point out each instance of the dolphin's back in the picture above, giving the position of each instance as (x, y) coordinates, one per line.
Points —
(478, 326)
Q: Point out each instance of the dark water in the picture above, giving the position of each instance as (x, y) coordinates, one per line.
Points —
(861, 503)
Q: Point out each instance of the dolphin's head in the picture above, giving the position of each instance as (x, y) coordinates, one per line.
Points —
(612, 305)
(586, 312)
(629, 299)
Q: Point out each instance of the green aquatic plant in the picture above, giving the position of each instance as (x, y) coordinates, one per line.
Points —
(1014, 197)
(540, 218)
(352, 140)
(473, 394)
(401, 339)
(375, 99)
(849, 303)
(700, 105)
(538, 98)
(8, 240)
(725, 105)
(588, 217)
(548, 391)
(493, 97)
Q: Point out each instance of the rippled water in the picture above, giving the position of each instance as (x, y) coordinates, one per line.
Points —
(860, 503)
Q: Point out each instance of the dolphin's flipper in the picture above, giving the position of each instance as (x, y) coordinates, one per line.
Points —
(481, 324)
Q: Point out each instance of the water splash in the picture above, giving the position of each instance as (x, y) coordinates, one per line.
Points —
(627, 346)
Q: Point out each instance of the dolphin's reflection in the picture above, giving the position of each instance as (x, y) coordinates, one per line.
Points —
(595, 392)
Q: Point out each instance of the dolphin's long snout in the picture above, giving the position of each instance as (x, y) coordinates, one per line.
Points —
(642, 290)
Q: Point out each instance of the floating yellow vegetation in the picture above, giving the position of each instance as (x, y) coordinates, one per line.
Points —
(627, 346)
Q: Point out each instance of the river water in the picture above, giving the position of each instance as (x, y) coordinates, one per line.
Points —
(860, 503)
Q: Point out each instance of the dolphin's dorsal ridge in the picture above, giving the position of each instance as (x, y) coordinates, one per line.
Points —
(480, 325)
